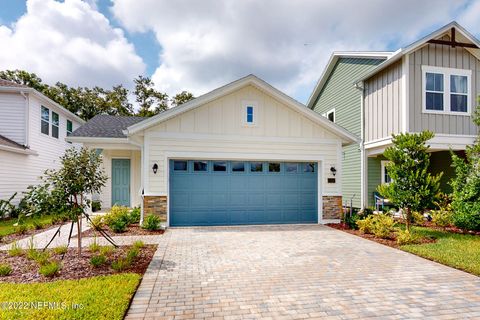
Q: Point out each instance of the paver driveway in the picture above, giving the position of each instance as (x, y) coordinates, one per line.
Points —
(295, 272)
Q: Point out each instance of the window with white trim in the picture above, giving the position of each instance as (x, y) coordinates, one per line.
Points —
(69, 127)
(384, 170)
(55, 124)
(45, 120)
(446, 90)
(250, 114)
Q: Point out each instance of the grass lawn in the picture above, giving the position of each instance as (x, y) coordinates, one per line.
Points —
(104, 297)
(6, 226)
(454, 250)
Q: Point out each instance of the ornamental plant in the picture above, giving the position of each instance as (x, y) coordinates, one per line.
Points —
(466, 185)
(412, 187)
(80, 174)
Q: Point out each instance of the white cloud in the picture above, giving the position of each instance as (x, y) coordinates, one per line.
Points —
(70, 42)
(208, 43)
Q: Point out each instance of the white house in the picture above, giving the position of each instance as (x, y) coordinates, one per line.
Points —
(244, 153)
(33, 129)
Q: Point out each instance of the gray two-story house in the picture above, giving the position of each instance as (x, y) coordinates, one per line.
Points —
(432, 84)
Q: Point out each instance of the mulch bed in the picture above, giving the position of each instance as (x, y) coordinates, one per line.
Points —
(430, 225)
(30, 232)
(391, 242)
(73, 267)
(132, 230)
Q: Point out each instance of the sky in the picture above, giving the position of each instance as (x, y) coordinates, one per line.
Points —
(200, 45)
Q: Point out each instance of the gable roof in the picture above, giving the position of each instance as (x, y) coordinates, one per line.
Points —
(251, 79)
(463, 35)
(106, 126)
(382, 55)
(10, 86)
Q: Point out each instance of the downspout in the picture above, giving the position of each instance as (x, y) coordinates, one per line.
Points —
(363, 162)
(27, 117)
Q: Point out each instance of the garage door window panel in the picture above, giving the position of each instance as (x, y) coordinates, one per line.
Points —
(274, 167)
(220, 166)
(309, 167)
(200, 166)
(291, 167)
(180, 165)
(238, 167)
(256, 167)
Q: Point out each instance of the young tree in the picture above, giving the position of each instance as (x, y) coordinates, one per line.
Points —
(80, 174)
(412, 186)
(466, 184)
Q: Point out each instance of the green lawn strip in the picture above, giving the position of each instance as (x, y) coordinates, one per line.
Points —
(455, 250)
(103, 297)
(6, 226)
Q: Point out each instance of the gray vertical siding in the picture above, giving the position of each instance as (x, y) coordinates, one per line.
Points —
(447, 57)
(383, 103)
(339, 93)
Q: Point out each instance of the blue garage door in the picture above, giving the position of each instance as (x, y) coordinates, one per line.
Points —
(242, 192)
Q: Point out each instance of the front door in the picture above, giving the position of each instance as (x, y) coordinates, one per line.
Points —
(121, 182)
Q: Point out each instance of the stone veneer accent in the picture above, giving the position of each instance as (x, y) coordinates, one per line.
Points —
(332, 207)
(155, 205)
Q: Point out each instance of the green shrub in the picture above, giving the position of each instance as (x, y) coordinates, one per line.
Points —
(37, 224)
(406, 237)
(466, 220)
(96, 206)
(5, 270)
(442, 218)
(120, 264)
(60, 217)
(132, 254)
(50, 269)
(417, 218)
(135, 215)
(42, 199)
(118, 226)
(117, 219)
(97, 221)
(15, 250)
(41, 257)
(380, 225)
(20, 228)
(138, 244)
(98, 260)
(60, 250)
(151, 222)
(94, 246)
(106, 250)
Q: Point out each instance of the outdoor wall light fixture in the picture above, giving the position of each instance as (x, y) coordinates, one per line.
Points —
(155, 168)
(333, 171)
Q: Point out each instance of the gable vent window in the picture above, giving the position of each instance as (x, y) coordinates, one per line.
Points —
(55, 124)
(250, 115)
(45, 122)
(446, 90)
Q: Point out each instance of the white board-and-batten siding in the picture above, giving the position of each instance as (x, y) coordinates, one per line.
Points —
(216, 130)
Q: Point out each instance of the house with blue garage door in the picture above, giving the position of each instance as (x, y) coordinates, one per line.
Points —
(244, 153)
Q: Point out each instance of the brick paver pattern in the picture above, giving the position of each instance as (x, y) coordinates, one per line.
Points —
(296, 272)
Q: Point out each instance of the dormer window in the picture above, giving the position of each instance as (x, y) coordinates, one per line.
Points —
(446, 90)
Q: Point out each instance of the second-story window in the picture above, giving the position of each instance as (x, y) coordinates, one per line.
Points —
(69, 127)
(55, 124)
(446, 90)
(249, 115)
(45, 120)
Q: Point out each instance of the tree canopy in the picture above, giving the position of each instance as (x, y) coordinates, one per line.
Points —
(87, 102)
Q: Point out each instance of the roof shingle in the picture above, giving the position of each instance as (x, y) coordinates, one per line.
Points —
(106, 126)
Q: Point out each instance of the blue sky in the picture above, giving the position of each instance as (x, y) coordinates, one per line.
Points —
(200, 45)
